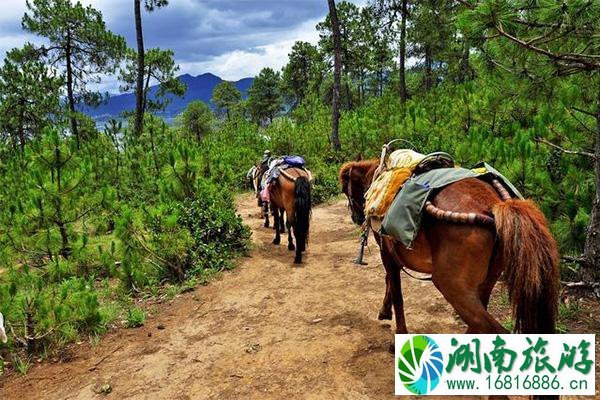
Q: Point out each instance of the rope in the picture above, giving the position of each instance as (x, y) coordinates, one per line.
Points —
(504, 195)
(459, 217)
(426, 279)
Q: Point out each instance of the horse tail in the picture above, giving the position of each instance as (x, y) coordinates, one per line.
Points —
(530, 258)
(302, 211)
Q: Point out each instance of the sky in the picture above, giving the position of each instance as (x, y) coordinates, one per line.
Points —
(233, 39)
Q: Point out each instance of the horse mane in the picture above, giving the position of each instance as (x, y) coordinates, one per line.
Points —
(363, 165)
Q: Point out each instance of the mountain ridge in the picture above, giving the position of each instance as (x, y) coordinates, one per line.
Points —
(199, 87)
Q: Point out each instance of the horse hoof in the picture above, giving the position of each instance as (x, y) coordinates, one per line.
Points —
(384, 316)
(266, 225)
(276, 241)
(297, 260)
(291, 247)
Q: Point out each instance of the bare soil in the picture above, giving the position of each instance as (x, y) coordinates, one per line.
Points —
(268, 330)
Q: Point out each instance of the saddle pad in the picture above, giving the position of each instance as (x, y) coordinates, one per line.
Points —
(403, 219)
(398, 168)
(383, 190)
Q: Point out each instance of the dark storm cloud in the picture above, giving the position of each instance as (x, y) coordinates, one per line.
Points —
(232, 37)
(200, 30)
(195, 29)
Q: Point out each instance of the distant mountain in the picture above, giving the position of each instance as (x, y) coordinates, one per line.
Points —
(198, 88)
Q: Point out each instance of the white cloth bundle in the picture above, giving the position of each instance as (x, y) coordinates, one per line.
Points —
(3, 337)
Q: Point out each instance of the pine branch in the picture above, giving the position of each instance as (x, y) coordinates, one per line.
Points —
(583, 125)
(566, 151)
(578, 60)
(467, 4)
(586, 112)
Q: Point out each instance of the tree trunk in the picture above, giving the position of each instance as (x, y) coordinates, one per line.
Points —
(139, 90)
(428, 68)
(65, 249)
(591, 251)
(337, 77)
(70, 95)
(402, 71)
(21, 132)
(145, 94)
(464, 62)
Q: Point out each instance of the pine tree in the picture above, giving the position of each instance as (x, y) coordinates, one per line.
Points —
(337, 50)
(197, 119)
(264, 97)
(226, 97)
(159, 68)
(29, 95)
(302, 72)
(150, 6)
(62, 188)
(541, 43)
(80, 43)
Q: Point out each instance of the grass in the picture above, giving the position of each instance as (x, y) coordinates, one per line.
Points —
(22, 365)
(567, 312)
(135, 318)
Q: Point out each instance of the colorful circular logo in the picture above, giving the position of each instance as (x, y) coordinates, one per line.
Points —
(420, 364)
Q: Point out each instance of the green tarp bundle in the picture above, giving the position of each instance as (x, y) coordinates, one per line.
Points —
(403, 219)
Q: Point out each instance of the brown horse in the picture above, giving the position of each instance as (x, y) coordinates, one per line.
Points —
(291, 193)
(465, 260)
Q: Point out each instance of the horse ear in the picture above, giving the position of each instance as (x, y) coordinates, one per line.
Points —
(359, 157)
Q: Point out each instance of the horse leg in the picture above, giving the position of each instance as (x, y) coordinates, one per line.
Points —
(291, 246)
(276, 222)
(393, 289)
(464, 295)
(385, 313)
(298, 257)
(392, 268)
(485, 289)
(265, 210)
(282, 225)
(398, 301)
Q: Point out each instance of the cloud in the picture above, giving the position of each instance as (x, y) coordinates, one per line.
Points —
(230, 38)
(241, 63)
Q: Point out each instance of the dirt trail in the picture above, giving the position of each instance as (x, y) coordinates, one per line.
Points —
(268, 330)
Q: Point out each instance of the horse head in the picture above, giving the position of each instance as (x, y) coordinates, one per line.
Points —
(355, 178)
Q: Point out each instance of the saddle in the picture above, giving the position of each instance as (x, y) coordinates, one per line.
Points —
(434, 161)
(277, 168)
(394, 171)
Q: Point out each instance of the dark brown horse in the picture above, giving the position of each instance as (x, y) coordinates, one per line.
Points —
(465, 260)
(291, 194)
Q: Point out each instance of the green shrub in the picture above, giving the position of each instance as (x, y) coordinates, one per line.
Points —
(218, 234)
(135, 318)
(43, 314)
(326, 184)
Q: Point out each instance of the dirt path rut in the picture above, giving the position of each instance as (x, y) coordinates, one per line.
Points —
(268, 330)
